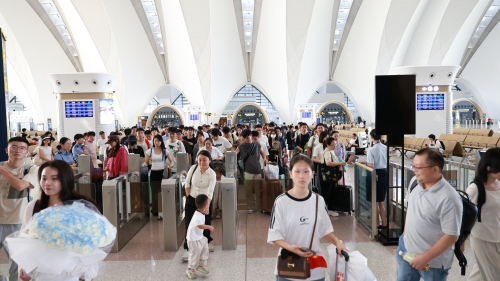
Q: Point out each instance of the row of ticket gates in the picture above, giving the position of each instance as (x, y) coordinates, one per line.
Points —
(125, 201)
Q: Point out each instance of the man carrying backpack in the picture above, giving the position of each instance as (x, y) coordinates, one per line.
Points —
(433, 221)
(435, 143)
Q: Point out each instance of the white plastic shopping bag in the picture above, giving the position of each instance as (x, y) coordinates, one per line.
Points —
(356, 269)
(272, 172)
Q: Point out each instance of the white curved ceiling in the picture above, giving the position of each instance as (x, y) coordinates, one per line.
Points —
(292, 53)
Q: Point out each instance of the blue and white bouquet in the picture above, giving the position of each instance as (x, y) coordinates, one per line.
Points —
(63, 242)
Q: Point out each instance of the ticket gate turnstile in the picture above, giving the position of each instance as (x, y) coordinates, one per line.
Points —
(173, 200)
(125, 203)
(229, 213)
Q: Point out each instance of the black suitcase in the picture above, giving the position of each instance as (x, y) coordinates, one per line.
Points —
(341, 199)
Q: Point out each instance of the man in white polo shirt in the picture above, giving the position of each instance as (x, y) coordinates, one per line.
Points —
(433, 221)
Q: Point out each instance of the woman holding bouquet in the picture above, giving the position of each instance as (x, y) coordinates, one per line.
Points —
(57, 183)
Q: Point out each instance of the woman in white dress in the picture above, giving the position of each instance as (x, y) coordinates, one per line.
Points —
(44, 151)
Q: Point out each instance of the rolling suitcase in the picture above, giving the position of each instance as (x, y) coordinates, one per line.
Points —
(341, 198)
(268, 193)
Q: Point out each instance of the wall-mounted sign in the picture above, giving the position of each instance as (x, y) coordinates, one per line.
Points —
(333, 112)
(249, 114)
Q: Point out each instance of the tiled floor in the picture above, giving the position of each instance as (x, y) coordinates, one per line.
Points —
(253, 260)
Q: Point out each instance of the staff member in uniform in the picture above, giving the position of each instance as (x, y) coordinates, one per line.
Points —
(200, 179)
(377, 159)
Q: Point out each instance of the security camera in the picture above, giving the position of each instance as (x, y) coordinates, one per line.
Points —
(432, 75)
(450, 74)
(58, 82)
(94, 82)
(76, 82)
(109, 82)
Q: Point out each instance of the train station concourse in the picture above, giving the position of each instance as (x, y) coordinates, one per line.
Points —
(250, 140)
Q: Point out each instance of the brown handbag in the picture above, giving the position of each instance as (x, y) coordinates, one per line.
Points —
(294, 266)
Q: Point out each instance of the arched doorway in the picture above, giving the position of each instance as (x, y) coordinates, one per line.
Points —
(334, 111)
(165, 115)
(250, 94)
(466, 109)
(250, 114)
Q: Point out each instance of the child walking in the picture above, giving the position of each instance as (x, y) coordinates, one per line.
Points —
(197, 243)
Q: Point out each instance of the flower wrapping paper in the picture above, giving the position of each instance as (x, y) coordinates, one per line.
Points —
(63, 241)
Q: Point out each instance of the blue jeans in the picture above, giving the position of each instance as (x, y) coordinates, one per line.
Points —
(407, 273)
(284, 279)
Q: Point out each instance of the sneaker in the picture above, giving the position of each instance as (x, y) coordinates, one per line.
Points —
(191, 274)
(185, 256)
(333, 213)
(250, 212)
(203, 269)
(211, 248)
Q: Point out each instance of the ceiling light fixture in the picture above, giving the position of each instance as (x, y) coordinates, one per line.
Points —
(436, 88)
(248, 23)
(429, 88)
(248, 43)
(248, 33)
(337, 31)
(424, 89)
(158, 35)
(149, 3)
(156, 24)
(56, 15)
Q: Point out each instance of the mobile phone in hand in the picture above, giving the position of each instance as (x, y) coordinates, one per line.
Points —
(305, 249)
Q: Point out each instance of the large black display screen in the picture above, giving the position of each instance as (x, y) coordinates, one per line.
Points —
(75, 109)
(395, 104)
(430, 101)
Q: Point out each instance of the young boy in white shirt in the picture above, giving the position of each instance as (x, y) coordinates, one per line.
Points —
(197, 243)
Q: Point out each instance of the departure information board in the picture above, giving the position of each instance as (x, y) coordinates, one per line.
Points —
(75, 109)
(306, 114)
(430, 101)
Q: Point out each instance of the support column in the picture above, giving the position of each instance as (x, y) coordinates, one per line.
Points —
(448, 107)
(4, 100)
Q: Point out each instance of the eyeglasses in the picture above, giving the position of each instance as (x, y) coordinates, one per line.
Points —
(20, 148)
(420, 168)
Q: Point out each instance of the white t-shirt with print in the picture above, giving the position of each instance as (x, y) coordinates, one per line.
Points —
(12, 202)
(194, 233)
(173, 149)
(157, 159)
(292, 220)
(222, 144)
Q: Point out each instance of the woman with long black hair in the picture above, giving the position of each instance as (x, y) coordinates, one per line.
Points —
(117, 161)
(485, 238)
(57, 182)
(158, 154)
(200, 179)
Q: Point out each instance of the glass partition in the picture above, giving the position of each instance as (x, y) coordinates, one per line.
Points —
(365, 186)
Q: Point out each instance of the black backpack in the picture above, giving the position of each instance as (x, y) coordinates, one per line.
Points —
(442, 145)
(469, 217)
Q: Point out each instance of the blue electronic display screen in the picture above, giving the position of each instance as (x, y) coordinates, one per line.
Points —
(194, 117)
(430, 101)
(76, 109)
(306, 114)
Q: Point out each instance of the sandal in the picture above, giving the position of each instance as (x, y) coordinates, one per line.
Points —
(160, 218)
